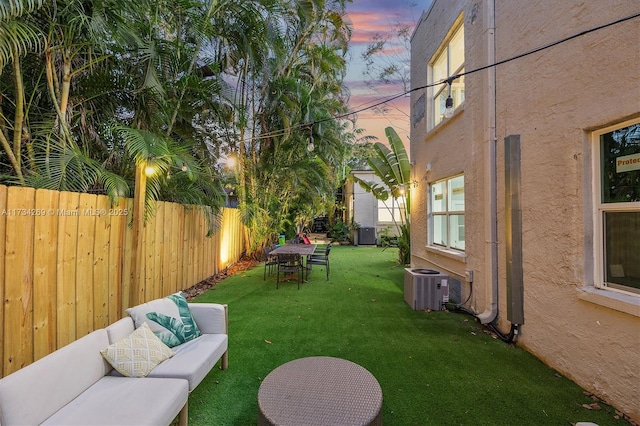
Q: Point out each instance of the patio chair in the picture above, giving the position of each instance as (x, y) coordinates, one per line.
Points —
(269, 262)
(321, 249)
(320, 259)
(290, 264)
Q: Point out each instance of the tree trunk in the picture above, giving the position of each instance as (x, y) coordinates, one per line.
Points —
(14, 152)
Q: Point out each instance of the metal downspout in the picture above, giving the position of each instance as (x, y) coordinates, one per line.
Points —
(490, 176)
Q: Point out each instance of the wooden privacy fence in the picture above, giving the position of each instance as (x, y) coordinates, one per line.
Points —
(65, 264)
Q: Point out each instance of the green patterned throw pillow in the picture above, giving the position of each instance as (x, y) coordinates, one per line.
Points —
(169, 318)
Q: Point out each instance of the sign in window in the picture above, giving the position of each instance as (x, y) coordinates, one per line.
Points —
(618, 225)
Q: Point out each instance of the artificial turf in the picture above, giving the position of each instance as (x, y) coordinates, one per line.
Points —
(438, 368)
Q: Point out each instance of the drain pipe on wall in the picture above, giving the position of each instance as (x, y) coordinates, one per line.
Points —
(490, 176)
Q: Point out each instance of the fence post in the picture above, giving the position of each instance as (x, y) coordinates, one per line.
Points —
(137, 264)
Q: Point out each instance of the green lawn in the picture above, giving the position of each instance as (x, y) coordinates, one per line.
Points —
(437, 368)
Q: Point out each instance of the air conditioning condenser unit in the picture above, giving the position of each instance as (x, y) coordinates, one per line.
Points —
(425, 289)
(366, 236)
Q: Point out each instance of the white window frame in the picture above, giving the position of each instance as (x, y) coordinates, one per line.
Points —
(458, 85)
(391, 207)
(447, 213)
(601, 208)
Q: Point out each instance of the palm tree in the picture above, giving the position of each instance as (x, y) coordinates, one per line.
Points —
(64, 45)
(93, 88)
(286, 95)
(106, 66)
(17, 38)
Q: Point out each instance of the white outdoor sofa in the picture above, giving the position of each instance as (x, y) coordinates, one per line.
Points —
(76, 386)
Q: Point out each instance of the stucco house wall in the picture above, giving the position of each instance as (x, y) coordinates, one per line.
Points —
(554, 100)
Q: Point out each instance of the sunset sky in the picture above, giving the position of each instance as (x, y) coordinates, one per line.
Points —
(369, 17)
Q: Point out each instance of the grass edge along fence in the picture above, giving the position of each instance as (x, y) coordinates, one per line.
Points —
(65, 264)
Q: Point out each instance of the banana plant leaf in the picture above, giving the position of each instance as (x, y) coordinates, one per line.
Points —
(393, 168)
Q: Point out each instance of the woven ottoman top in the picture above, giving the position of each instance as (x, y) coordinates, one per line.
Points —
(320, 391)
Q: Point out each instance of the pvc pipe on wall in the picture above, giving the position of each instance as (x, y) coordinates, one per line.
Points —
(490, 176)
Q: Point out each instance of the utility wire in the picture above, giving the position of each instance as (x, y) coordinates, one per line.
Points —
(504, 61)
(447, 80)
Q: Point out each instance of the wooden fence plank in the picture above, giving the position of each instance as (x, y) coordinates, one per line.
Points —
(202, 242)
(67, 213)
(215, 246)
(128, 255)
(101, 250)
(116, 258)
(191, 225)
(139, 220)
(195, 242)
(158, 252)
(176, 210)
(142, 256)
(148, 284)
(229, 237)
(224, 247)
(18, 297)
(198, 249)
(182, 249)
(238, 232)
(84, 264)
(44, 273)
(185, 249)
(208, 256)
(167, 287)
(206, 262)
(3, 223)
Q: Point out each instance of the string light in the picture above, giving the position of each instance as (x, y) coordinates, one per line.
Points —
(448, 104)
(288, 130)
(231, 162)
(149, 170)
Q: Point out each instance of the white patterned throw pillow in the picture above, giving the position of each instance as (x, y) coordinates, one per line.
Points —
(137, 354)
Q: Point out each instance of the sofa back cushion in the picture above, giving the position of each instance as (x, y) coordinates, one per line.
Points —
(120, 329)
(210, 317)
(35, 392)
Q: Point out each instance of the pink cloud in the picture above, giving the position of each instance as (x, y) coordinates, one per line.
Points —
(368, 18)
(366, 24)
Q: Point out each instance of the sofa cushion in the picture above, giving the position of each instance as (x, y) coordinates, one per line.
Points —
(211, 318)
(32, 394)
(124, 401)
(169, 318)
(194, 359)
(120, 329)
(137, 354)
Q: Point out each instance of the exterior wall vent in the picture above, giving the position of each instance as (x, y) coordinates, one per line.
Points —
(425, 289)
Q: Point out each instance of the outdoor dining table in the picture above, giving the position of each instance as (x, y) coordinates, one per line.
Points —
(301, 249)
